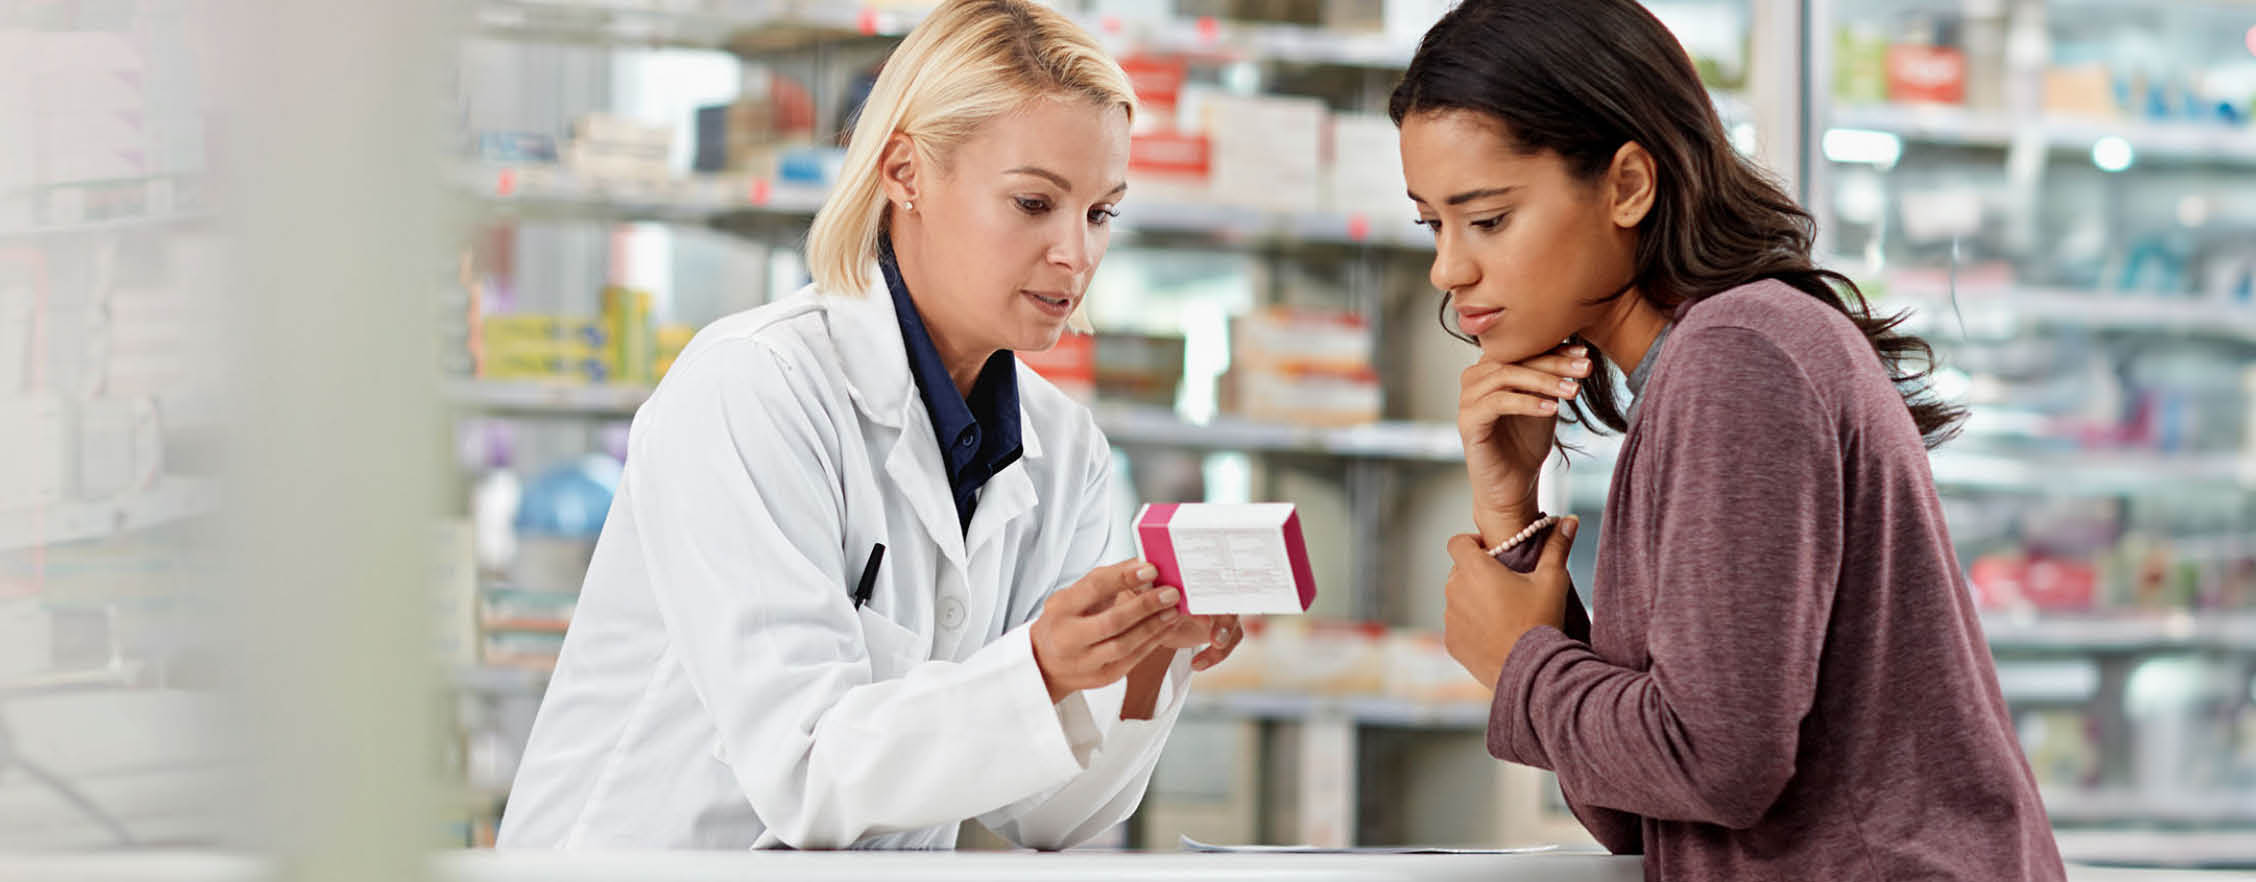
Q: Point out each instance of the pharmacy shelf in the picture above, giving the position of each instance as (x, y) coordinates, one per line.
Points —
(1364, 710)
(108, 225)
(546, 399)
(498, 681)
(2094, 808)
(171, 499)
(782, 26)
(1961, 465)
(2217, 850)
(2000, 310)
(2126, 633)
(2091, 473)
(2184, 141)
(541, 191)
(124, 675)
(545, 191)
(1128, 425)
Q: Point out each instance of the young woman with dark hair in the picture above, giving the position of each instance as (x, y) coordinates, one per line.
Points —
(1786, 678)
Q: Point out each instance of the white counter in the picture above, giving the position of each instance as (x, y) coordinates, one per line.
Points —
(483, 866)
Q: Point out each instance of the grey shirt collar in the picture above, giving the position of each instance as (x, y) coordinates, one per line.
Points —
(1644, 372)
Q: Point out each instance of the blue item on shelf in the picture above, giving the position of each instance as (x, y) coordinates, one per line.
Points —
(516, 147)
(816, 166)
(571, 499)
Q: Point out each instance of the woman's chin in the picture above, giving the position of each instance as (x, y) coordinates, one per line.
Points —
(1504, 346)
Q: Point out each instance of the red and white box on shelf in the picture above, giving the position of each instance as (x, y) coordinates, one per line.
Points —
(1071, 365)
(1229, 559)
(1327, 657)
(1304, 366)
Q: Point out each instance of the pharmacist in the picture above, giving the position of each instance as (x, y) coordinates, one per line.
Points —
(859, 583)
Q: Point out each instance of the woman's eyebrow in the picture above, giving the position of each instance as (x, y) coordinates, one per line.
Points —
(1468, 196)
(1058, 179)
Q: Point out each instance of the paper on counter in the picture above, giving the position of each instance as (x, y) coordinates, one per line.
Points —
(1190, 844)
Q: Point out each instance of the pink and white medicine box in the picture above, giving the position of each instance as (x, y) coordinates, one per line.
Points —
(1229, 559)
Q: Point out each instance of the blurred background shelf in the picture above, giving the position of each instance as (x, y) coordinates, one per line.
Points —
(2000, 310)
(1361, 710)
(2222, 631)
(1124, 424)
(171, 499)
(732, 203)
(1943, 124)
(2092, 808)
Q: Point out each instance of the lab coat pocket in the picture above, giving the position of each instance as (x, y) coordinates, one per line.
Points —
(892, 649)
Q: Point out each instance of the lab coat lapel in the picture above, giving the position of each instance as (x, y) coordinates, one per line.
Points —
(868, 338)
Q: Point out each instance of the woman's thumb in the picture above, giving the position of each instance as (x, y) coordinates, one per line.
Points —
(1562, 541)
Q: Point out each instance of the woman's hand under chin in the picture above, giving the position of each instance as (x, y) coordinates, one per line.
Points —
(1507, 418)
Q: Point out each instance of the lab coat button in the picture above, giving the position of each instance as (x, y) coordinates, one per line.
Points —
(951, 614)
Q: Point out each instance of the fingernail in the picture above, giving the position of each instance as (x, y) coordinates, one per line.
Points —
(1582, 365)
(1547, 406)
(1573, 524)
(1567, 386)
(1579, 351)
(1170, 596)
(1148, 573)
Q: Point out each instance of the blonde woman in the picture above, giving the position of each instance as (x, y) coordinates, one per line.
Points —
(859, 583)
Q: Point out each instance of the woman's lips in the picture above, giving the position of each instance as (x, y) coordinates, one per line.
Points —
(1476, 320)
(1056, 303)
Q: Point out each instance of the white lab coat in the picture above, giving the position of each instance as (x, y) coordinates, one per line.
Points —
(718, 687)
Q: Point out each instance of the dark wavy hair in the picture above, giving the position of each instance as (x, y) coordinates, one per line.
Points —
(1581, 78)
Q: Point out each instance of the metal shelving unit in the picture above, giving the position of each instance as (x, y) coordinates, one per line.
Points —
(550, 192)
(1949, 125)
(171, 499)
(2006, 308)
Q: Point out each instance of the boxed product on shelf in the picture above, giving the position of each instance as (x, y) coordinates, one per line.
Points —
(2025, 582)
(614, 149)
(1419, 668)
(1139, 368)
(1071, 365)
(1339, 15)
(516, 147)
(745, 135)
(547, 348)
(2062, 747)
(517, 609)
(2085, 91)
(631, 337)
(1267, 149)
(1305, 366)
(1363, 168)
(1308, 395)
(1926, 74)
(672, 339)
(1170, 167)
(1158, 81)
(521, 650)
(1325, 657)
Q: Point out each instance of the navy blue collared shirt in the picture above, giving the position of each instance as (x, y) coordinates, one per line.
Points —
(979, 434)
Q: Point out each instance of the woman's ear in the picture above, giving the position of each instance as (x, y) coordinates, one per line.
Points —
(897, 170)
(1632, 186)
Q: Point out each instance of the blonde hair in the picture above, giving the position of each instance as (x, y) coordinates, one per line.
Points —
(969, 62)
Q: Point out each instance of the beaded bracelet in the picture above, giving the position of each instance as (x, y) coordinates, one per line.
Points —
(1523, 536)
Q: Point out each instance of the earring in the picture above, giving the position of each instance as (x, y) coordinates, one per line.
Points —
(910, 206)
